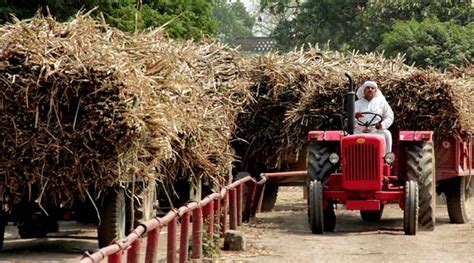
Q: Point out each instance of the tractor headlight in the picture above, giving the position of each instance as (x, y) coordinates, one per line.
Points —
(389, 158)
(333, 158)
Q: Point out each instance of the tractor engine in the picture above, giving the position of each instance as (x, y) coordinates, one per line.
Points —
(362, 162)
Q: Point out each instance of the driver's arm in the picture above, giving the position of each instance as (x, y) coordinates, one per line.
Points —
(387, 115)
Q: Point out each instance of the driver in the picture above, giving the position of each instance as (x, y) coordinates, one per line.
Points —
(371, 99)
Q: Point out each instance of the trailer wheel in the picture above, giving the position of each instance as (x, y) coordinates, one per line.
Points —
(3, 223)
(410, 213)
(33, 223)
(269, 197)
(318, 162)
(371, 216)
(421, 168)
(112, 217)
(457, 197)
(315, 209)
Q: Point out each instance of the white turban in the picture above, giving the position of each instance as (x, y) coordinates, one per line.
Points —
(360, 91)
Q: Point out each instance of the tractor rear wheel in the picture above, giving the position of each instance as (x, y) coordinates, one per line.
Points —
(318, 162)
(112, 217)
(269, 197)
(457, 193)
(410, 213)
(315, 209)
(372, 216)
(421, 168)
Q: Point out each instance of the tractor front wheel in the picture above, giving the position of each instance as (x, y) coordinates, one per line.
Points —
(315, 209)
(457, 193)
(410, 213)
(421, 169)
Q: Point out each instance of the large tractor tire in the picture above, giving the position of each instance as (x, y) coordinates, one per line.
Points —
(421, 169)
(372, 216)
(269, 197)
(319, 166)
(457, 193)
(410, 213)
(112, 217)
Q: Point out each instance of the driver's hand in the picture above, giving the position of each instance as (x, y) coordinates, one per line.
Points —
(358, 115)
(378, 126)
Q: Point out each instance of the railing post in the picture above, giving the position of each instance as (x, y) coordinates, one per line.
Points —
(151, 253)
(251, 186)
(210, 220)
(233, 208)
(133, 253)
(184, 241)
(217, 215)
(240, 197)
(224, 209)
(197, 233)
(115, 258)
(171, 250)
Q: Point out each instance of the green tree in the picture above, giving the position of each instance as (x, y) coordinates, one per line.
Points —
(431, 42)
(318, 21)
(377, 17)
(188, 18)
(233, 19)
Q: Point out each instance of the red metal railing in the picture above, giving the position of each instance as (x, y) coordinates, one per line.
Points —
(213, 209)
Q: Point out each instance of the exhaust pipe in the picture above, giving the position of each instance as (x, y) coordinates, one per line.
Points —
(350, 98)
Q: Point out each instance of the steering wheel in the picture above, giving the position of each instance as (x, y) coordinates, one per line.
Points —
(371, 122)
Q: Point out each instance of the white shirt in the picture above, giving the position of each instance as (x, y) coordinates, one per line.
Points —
(378, 105)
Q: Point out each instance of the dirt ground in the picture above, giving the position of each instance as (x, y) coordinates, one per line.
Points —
(284, 236)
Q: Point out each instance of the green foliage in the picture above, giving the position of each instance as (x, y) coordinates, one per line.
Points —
(362, 25)
(188, 18)
(378, 17)
(234, 20)
(431, 42)
(319, 22)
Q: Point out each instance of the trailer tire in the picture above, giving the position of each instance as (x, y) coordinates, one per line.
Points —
(372, 216)
(410, 211)
(269, 197)
(421, 168)
(3, 223)
(456, 199)
(112, 217)
(318, 162)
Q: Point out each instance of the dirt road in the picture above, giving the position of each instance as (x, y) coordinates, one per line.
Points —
(284, 236)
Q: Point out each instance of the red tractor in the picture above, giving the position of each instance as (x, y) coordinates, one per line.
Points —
(354, 170)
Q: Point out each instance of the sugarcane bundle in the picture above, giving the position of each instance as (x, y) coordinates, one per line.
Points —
(85, 106)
